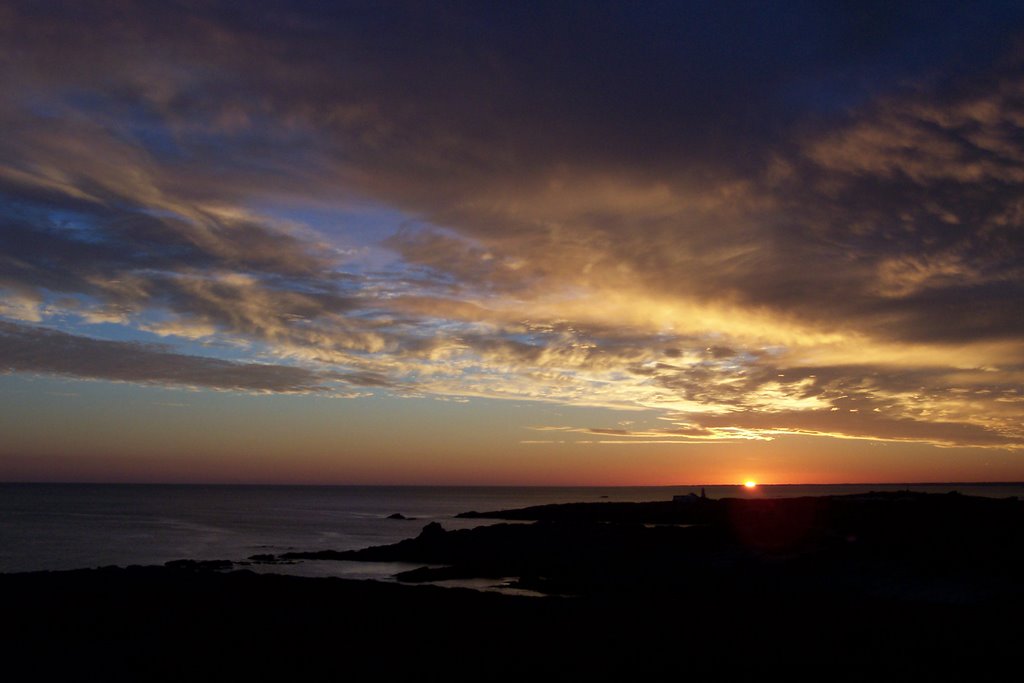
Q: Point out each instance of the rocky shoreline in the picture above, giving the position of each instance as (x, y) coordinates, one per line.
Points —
(883, 586)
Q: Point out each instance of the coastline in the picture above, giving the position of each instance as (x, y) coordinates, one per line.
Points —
(53, 526)
(818, 604)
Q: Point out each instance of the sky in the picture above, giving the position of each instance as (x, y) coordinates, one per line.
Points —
(593, 243)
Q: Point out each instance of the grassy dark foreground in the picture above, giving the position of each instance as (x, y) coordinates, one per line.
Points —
(872, 588)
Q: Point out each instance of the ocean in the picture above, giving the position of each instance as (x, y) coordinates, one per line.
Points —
(73, 526)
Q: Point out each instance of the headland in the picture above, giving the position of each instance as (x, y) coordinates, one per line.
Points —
(882, 585)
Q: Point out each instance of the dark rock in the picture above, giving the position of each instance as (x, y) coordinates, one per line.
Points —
(399, 515)
(909, 545)
(432, 530)
(265, 558)
(317, 555)
(200, 565)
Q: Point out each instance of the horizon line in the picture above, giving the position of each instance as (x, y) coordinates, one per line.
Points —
(739, 484)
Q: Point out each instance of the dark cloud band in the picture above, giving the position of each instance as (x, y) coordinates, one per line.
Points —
(31, 349)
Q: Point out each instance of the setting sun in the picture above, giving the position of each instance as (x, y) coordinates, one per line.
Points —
(750, 483)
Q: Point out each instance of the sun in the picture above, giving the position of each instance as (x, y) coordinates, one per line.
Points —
(750, 483)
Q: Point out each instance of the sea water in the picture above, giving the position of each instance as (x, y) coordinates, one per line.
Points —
(72, 526)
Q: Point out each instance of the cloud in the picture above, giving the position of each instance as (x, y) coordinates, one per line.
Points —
(30, 349)
(680, 434)
(854, 425)
(758, 401)
(680, 211)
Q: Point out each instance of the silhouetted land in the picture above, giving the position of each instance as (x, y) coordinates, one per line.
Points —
(881, 586)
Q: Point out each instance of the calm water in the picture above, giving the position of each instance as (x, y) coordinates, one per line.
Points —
(69, 526)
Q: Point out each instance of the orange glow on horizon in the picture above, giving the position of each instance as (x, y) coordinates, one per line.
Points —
(750, 483)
